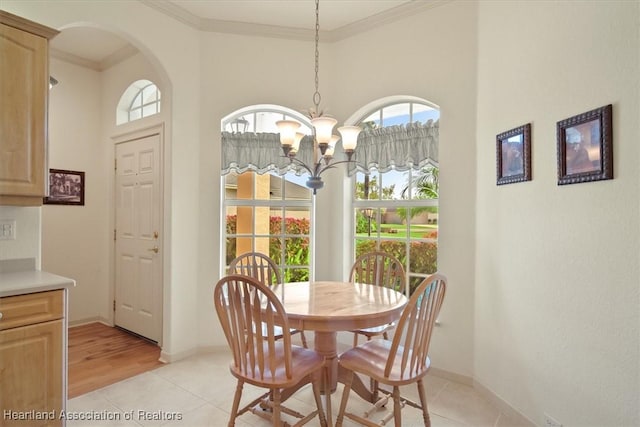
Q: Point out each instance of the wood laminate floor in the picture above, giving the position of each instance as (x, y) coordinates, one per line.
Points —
(100, 355)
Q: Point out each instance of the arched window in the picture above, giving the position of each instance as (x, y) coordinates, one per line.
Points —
(141, 99)
(396, 186)
(268, 209)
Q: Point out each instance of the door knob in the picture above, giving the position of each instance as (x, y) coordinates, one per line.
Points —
(154, 249)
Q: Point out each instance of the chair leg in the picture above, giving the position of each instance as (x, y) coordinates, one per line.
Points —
(397, 408)
(304, 339)
(374, 389)
(423, 403)
(345, 397)
(316, 396)
(236, 404)
(355, 339)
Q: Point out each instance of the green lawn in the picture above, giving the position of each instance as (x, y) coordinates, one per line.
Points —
(417, 230)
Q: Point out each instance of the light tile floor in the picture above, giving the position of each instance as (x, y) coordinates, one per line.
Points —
(198, 392)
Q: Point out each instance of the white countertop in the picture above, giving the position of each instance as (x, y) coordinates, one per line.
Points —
(26, 282)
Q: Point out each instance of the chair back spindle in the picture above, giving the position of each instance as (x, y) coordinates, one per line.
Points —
(248, 311)
(257, 265)
(415, 327)
(379, 268)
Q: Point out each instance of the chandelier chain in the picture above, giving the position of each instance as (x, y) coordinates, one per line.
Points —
(316, 95)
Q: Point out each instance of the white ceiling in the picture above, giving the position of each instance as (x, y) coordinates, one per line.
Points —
(99, 49)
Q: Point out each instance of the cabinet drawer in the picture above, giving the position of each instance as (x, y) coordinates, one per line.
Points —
(27, 309)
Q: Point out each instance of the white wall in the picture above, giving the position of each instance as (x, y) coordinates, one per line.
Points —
(429, 55)
(557, 308)
(28, 227)
(75, 238)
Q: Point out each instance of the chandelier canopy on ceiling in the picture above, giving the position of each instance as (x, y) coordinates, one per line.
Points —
(324, 140)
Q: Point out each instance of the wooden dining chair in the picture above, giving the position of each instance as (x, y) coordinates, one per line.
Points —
(263, 268)
(248, 311)
(382, 269)
(402, 361)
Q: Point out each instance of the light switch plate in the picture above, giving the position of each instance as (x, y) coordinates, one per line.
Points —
(7, 229)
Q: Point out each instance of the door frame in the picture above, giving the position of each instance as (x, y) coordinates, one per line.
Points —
(159, 130)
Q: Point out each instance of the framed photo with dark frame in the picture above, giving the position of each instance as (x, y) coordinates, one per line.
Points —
(65, 188)
(513, 155)
(585, 147)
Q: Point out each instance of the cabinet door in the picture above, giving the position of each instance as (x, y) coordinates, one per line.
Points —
(31, 375)
(23, 112)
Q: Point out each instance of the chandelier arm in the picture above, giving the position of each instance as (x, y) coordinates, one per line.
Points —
(330, 166)
(300, 163)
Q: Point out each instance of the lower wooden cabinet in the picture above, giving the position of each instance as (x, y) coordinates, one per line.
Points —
(32, 360)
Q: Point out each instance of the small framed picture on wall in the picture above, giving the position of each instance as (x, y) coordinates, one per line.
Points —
(65, 188)
(513, 155)
(585, 147)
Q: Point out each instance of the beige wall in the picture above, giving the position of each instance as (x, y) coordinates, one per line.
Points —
(556, 296)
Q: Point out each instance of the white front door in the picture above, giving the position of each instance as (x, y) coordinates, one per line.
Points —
(138, 246)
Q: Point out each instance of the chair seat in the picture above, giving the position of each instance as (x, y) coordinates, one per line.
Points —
(371, 358)
(303, 363)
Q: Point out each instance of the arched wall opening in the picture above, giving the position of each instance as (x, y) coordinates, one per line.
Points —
(78, 243)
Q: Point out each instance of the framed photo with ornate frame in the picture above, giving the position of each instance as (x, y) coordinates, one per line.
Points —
(513, 155)
(585, 147)
(65, 188)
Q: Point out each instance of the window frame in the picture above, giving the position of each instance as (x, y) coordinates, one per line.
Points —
(379, 204)
(281, 204)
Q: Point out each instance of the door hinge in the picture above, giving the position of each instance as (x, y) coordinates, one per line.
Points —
(114, 305)
(115, 164)
(114, 234)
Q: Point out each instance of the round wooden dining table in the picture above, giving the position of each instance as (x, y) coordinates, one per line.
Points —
(326, 308)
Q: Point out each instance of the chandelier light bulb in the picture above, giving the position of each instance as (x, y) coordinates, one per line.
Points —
(349, 137)
(324, 128)
(287, 129)
(296, 142)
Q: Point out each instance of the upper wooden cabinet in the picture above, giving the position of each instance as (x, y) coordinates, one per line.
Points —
(24, 92)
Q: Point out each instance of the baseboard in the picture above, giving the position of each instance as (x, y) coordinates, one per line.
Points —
(88, 320)
(503, 406)
(451, 376)
(166, 357)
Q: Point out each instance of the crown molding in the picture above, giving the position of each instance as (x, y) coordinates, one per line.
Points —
(108, 62)
(118, 56)
(175, 12)
(73, 59)
(388, 16)
(244, 28)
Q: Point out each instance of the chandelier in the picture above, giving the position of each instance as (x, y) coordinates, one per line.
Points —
(324, 141)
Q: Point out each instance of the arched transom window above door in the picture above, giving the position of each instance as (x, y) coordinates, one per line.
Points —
(141, 99)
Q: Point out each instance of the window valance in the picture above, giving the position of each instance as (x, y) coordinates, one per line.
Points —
(400, 147)
(260, 152)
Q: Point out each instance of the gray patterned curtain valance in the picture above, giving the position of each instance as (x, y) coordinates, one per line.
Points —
(260, 152)
(411, 146)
